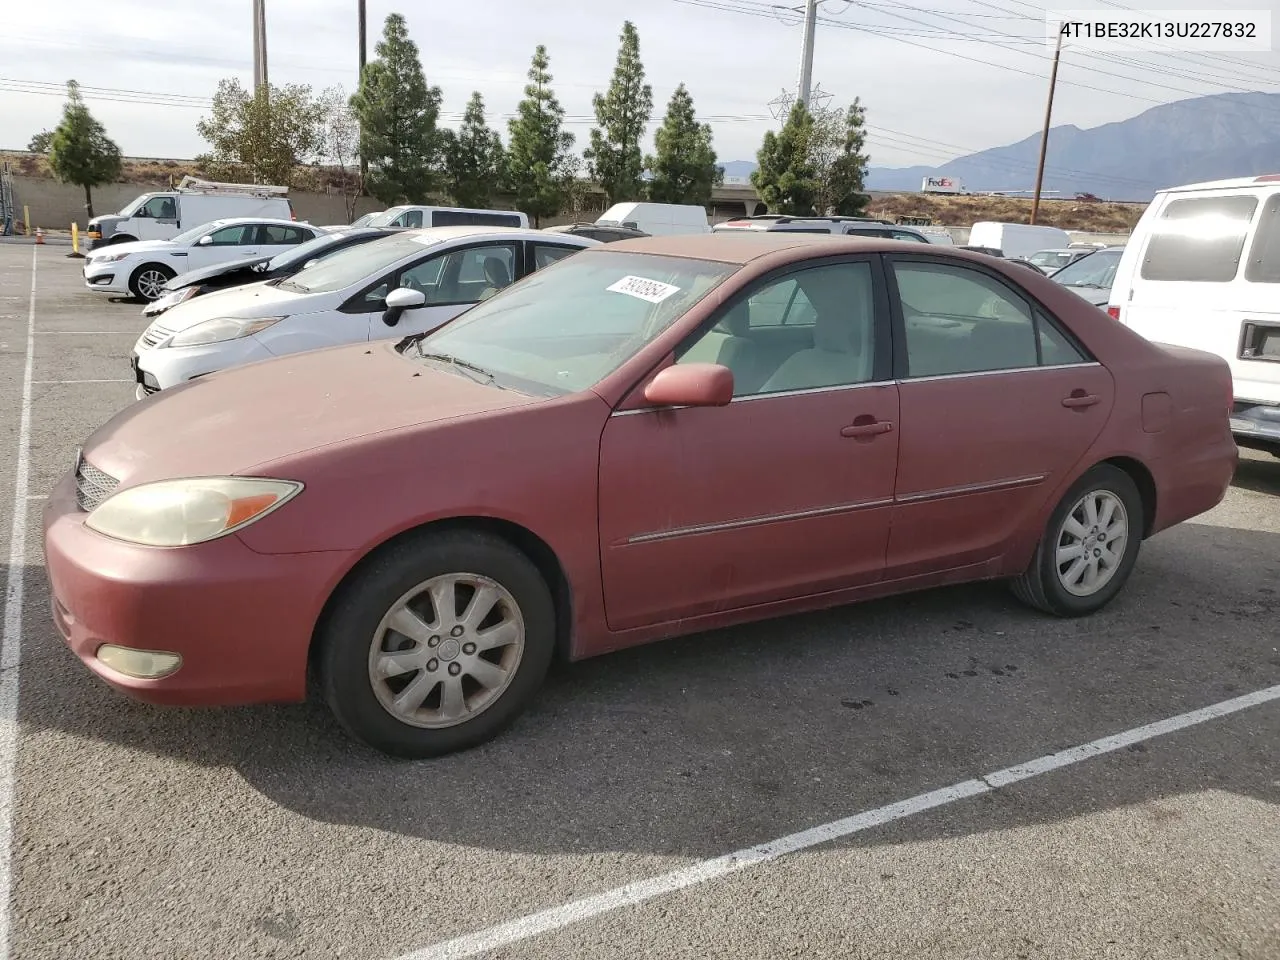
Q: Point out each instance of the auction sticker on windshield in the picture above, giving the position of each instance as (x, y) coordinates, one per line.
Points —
(655, 291)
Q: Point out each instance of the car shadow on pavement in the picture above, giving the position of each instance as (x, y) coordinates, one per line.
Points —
(1260, 473)
(700, 745)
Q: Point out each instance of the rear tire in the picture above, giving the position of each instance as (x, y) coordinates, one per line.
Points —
(1089, 546)
(408, 674)
(147, 282)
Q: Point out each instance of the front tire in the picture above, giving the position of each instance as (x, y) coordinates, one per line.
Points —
(1089, 546)
(147, 282)
(437, 645)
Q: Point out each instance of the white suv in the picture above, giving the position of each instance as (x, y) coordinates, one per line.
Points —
(850, 226)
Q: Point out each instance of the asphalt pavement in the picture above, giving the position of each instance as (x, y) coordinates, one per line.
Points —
(145, 832)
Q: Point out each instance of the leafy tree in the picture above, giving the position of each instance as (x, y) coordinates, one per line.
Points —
(841, 166)
(785, 177)
(340, 145)
(540, 160)
(80, 151)
(41, 142)
(684, 164)
(473, 158)
(614, 159)
(398, 114)
(268, 132)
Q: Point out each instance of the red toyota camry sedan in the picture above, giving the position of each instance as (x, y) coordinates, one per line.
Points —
(657, 437)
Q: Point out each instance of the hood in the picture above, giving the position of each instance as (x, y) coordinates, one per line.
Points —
(229, 422)
(249, 301)
(1097, 296)
(138, 246)
(103, 219)
(192, 277)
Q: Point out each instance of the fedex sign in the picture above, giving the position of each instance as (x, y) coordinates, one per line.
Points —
(941, 185)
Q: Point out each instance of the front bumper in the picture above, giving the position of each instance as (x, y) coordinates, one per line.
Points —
(107, 277)
(242, 621)
(160, 368)
(1256, 425)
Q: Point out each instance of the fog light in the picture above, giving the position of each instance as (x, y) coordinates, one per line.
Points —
(143, 664)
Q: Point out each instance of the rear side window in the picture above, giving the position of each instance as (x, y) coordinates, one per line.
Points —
(1263, 265)
(1199, 239)
(458, 218)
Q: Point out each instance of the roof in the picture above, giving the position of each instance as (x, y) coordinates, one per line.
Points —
(742, 248)
(274, 221)
(1265, 180)
(467, 231)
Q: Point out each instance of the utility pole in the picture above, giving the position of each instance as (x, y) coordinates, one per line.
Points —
(806, 52)
(1044, 134)
(362, 16)
(259, 45)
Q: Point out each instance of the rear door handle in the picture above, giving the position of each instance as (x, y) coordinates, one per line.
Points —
(1077, 400)
(866, 429)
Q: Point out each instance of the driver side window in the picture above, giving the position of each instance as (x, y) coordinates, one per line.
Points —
(237, 236)
(158, 208)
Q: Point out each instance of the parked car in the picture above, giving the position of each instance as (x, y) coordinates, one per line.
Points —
(398, 285)
(1202, 269)
(165, 214)
(1091, 276)
(142, 269)
(596, 231)
(237, 273)
(609, 453)
(1051, 260)
(1017, 239)
(849, 226)
(418, 217)
(658, 219)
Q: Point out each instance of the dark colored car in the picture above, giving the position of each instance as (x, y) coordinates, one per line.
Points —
(256, 269)
(645, 439)
(598, 231)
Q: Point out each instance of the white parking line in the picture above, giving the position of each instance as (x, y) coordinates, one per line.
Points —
(82, 381)
(11, 644)
(556, 918)
(85, 333)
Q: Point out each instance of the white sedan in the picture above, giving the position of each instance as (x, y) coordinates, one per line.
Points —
(406, 283)
(141, 268)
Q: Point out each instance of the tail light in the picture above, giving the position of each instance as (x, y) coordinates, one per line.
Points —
(1113, 313)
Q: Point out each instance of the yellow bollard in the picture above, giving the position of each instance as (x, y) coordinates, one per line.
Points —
(75, 239)
(26, 220)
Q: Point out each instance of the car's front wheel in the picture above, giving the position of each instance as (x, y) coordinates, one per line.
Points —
(147, 282)
(1088, 548)
(437, 644)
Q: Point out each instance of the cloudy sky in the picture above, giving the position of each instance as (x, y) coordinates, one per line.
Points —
(940, 78)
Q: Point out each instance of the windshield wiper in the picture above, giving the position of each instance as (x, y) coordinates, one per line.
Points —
(455, 362)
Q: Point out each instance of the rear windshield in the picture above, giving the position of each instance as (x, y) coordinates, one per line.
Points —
(465, 218)
(1264, 256)
(1199, 239)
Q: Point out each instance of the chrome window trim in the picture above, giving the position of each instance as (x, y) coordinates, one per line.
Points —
(767, 396)
(991, 373)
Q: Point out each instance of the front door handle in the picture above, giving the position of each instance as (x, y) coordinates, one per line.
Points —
(1079, 399)
(866, 427)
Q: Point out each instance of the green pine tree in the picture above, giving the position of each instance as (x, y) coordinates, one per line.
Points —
(849, 172)
(684, 164)
(785, 177)
(80, 151)
(473, 158)
(540, 160)
(398, 113)
(614, 159)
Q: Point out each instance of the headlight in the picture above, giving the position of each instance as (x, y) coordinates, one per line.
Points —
(174, 513)
(110, 257)
(220, 329)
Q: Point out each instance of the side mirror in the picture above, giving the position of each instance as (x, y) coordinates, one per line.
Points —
(205, 241)
(399, 300)
(691, 385)
(310, 263)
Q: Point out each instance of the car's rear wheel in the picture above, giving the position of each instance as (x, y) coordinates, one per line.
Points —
(438, 644)
(147, 282)
(1089, 546)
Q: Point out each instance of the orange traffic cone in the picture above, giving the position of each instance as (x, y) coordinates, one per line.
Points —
(39, 235)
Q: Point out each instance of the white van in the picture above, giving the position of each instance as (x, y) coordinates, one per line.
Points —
(416, 217)
(1016, 239)
(165, 214)
(658, 219)
(1202, 270)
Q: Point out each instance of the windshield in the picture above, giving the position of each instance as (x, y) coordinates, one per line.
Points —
(353, 264)
(303, 252)
(569, 325)
(366, 220)
(1092, 270)
(132, 208)
(1052, 258)
(384, 218)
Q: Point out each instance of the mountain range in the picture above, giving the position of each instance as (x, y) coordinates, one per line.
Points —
(1203, 138)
